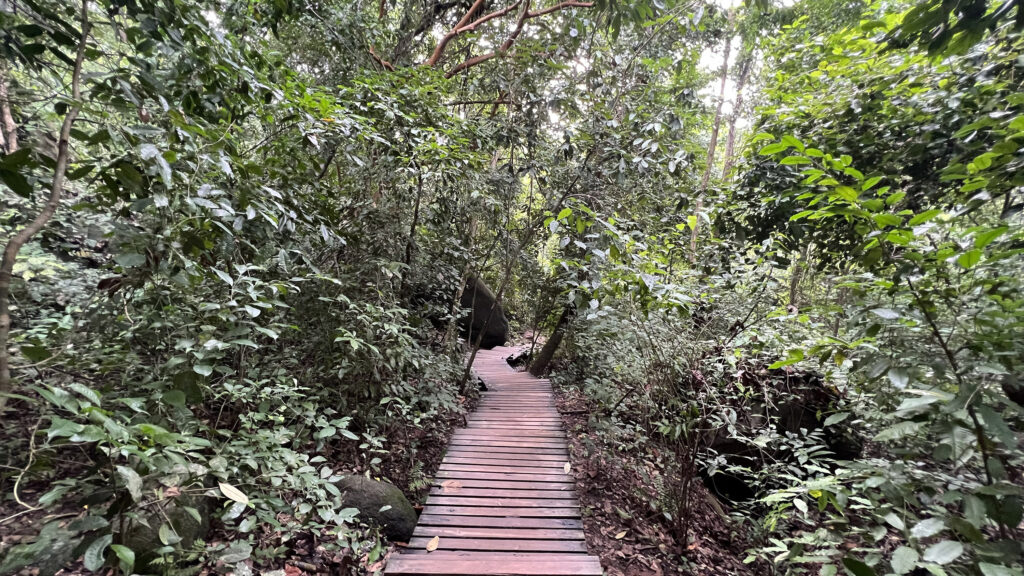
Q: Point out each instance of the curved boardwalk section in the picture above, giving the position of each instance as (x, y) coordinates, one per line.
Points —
(503, 501)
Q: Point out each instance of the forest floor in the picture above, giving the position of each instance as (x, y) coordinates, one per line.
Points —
(617, 490)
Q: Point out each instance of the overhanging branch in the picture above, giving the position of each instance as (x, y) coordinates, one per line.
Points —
(524, 15)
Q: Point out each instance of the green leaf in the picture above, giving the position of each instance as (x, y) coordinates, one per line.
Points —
(857, 567)
(924, 216)
(943, 552)
(969, 259)
(564, 213)
(870, 183)
(174, 398)
(904, 559)
(886, 313)
(130, 260)
(132, 481)
(994, 423)
(202, 369)
(233, 493)
(16, 182)
(847, 193)
(168, 535)
(94, 557)
(899, 376)
(789, 140)
(835, 419)
(125, 556)
(927, 527)
(985, 238)
(773, 149)
(996, 570)
(794, 160)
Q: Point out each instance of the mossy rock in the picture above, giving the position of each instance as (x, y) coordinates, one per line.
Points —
(380, 504)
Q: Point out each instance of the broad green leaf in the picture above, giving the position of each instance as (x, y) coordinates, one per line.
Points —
(773, 149)
(132, 481)
(969, 259)
(835, 419)
(233, 493)
(986, 237)
(125, 556)
(857, 567)
(94, 557)
(928, 527)
(943, 552)
(794, 160)
(904, 559)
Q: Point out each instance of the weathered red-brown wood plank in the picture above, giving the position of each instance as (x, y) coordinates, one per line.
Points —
(418, 545)
(502, 501)
(499, 522)
(494, 563)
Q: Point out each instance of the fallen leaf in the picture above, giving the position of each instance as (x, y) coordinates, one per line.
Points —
(621, 535)
(233, 493)
(432, 545)
(290, 570)
(172, 492)
(567, 467)
(451, 486)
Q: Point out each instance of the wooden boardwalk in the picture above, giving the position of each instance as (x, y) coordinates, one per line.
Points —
(503, 501)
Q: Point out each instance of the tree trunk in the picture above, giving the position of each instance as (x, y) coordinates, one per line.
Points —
(797, 276)
(730, 142)
(8, 129)
(547, 353)
(714, 140)
(52, 202)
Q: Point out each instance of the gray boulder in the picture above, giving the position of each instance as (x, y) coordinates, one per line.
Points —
(397, 519)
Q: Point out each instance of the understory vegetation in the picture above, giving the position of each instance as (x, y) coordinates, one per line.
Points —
(773, 252)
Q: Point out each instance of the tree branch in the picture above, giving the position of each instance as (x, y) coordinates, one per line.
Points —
(52, 203)
(562, 6)
(383, 63)
(439, 50)
(525, 15)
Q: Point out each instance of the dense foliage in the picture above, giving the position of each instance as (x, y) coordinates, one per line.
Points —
(237, 234)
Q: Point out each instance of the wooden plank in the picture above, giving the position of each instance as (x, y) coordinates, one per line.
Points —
(531, 461)
(492, 511)
(481, 453)
(493, 563)
(448, 500)
(511, 450)
(502, 469)
(504, 442)
(499, 522)
(511, 485)
(500, 493)
(503, 533)
(571, 546)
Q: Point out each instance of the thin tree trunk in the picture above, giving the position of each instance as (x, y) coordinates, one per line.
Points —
(409, 244)
(8, 129)
(714, 139)
(52, 203)
(730, 142)
(797, 276)
(547, 353)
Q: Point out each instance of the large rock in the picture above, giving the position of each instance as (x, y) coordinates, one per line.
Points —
(799, 403)
(485, 315)
(370, 496)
